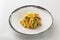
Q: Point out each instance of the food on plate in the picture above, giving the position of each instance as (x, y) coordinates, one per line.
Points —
(31, 20)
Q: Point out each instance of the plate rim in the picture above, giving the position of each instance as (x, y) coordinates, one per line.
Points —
(39, 7)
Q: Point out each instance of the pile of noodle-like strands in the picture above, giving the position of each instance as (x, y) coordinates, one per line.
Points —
(31, 20)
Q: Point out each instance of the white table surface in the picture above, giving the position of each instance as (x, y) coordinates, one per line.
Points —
(7, 6)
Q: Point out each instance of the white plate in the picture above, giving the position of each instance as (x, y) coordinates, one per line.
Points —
(17, 15)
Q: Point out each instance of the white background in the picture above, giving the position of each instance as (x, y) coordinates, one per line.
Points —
(7, 6)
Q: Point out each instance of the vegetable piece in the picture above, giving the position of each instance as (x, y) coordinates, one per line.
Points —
(35, 24)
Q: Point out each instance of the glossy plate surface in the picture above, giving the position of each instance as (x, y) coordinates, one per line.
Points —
(18, 14)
